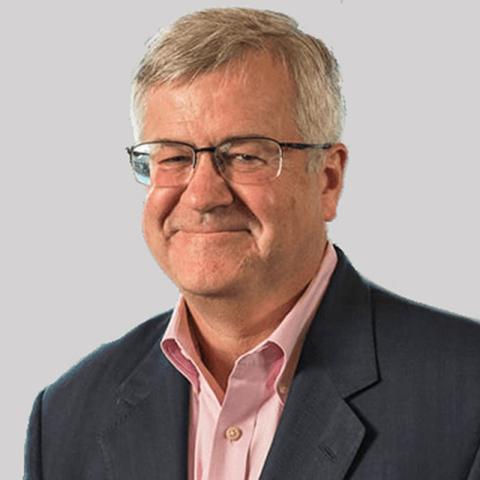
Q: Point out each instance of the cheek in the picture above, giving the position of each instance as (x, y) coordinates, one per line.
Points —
(263, 205)
(157, 206)
(277, 218)
(150, 225)
(300, 214)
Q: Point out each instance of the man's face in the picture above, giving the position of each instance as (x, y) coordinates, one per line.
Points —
(215, 238)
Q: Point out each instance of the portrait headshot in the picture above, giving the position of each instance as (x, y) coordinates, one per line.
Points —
(260, 260)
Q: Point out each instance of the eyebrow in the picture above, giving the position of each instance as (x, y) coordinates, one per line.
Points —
(222, 140)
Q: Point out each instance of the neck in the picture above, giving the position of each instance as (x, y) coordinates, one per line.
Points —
(225, 329)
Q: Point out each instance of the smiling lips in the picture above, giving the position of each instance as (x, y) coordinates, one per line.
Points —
(204, 230)
(205, 226)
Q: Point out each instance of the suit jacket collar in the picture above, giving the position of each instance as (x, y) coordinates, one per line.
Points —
(341, 338)
(318, 435)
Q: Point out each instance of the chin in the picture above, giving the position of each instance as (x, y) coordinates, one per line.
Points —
(215, 279)
(207, 271)
(208, 288)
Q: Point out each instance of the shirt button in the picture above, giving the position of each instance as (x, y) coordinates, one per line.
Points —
(283, 389)
(233, 433)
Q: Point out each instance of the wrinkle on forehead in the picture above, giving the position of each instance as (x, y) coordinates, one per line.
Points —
(241, 74)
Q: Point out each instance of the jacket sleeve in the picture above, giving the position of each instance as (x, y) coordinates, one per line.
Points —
(33, 447)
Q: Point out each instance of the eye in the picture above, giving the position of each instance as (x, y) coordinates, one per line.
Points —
(171, 162)
(179, 159)
(245, 158)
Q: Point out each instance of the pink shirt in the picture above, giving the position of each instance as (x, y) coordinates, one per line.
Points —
(230, 440)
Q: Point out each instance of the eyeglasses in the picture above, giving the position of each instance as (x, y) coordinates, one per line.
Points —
(243, 160)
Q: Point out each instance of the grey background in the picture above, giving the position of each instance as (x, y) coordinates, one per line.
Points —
(75, 271)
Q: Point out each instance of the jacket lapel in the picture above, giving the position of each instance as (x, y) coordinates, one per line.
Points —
(319, 435)
(148, 434)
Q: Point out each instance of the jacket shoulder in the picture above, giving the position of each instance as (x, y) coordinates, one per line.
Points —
(69, 414)
(412, 314)
(99, 373)
(423, 336)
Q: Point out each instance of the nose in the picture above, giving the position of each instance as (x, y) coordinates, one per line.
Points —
(207, 189)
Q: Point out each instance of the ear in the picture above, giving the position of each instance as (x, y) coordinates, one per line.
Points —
(331, 179)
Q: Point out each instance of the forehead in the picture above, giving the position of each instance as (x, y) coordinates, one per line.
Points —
(254, 95)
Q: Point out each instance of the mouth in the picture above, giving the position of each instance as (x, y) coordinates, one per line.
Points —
(207, 228)
(212, 232)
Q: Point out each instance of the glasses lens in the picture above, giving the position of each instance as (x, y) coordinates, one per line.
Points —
(140, 166)
(250, 161)
(162, 164)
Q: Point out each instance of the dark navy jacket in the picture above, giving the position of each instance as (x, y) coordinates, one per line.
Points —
(385, 389)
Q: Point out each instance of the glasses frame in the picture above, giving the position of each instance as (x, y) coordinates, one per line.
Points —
(214, 149)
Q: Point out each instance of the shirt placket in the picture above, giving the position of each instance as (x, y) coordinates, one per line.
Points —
(235, 428)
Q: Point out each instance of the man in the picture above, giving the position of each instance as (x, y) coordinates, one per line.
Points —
(279, 361)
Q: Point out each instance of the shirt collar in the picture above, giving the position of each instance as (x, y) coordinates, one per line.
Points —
(179, 346)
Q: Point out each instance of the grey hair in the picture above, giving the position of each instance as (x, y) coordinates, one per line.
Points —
(207, 40)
